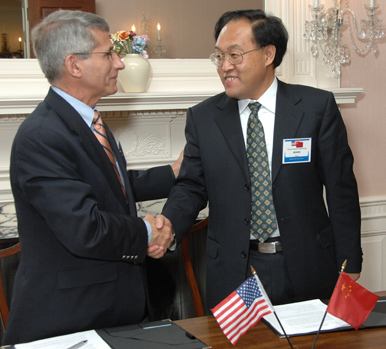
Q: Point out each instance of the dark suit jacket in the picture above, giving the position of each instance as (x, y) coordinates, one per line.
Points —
(315, 241)
(83, 248)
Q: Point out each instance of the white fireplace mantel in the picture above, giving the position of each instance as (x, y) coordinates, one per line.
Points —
(174, 84)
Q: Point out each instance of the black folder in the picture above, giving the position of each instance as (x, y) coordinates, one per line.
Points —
(157, 334)
(377, 317)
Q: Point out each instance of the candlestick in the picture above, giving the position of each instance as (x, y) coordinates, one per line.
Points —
(159, 32)
(144, 25)
(159, 49)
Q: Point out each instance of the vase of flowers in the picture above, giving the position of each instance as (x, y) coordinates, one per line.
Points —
(135, 76)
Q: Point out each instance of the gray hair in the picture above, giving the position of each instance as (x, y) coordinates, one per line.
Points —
(62, 33)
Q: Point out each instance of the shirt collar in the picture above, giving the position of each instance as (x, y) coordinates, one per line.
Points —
(267, 100)
(86, 112)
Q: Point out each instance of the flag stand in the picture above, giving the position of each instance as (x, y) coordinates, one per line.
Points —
(320, 327)
(325, 314)
(270, 305)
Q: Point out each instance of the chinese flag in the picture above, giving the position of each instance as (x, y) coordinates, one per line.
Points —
(351, 302)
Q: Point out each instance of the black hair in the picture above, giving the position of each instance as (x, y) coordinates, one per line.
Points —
(267, 30)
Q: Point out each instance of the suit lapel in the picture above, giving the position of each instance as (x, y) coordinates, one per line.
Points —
(90, 143)
(287, 119)
(228, 121)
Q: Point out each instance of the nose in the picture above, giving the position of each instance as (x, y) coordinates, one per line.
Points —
(118, 62)
(226, 66)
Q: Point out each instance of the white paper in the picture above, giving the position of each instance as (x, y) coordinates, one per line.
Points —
(94, 341)
(303, 317)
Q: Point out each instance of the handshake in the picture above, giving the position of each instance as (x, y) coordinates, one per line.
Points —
(162, 235)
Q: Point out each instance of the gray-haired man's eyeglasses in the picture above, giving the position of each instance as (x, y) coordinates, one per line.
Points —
(110, 53)
(234, 57)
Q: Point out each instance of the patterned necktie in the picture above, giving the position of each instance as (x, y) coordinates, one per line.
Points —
(100, 134)
(263, 222)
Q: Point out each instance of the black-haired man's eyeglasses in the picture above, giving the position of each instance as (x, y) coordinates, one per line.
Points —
(234, 57)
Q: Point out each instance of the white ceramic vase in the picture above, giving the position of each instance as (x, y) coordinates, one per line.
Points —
(135, 76)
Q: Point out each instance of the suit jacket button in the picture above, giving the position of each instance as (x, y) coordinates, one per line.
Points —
(246, 187)
(247, 221)
(243, 254)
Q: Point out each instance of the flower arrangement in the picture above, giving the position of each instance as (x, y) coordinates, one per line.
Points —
(129, 42)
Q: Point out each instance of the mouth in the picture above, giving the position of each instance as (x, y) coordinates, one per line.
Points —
(229, 78)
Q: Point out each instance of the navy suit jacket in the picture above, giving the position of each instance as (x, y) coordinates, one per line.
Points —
(315, 240)
(83, 247)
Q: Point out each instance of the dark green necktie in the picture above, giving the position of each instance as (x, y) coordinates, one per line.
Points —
(263, 216)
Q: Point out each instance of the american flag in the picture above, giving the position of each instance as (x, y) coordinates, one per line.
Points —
(242, 309)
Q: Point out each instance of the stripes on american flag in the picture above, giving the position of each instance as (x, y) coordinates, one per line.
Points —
(242, 309)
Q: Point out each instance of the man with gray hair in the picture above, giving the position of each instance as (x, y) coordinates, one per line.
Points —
(83, 247)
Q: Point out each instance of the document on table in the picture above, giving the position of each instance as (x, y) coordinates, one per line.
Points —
(303, 318)
(94, 341)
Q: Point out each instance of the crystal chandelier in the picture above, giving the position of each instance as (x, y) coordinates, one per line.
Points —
(324, 33)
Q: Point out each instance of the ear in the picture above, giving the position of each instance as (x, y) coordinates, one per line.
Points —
(73, 66)
(270, 52)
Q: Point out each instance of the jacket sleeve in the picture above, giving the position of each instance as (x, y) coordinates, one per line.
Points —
(342, 197)
(189, 195)
(152, 184)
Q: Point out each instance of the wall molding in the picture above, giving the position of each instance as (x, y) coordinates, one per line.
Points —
(373, 211)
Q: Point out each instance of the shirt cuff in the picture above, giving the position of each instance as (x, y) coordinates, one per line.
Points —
(173, 246)
(149, 232)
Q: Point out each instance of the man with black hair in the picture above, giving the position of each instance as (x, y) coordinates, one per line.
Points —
(290, 137)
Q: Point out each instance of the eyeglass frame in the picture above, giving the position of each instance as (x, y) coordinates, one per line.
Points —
(226, 55)
(110, 52)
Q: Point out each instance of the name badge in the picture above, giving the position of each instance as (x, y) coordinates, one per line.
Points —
(296, 150)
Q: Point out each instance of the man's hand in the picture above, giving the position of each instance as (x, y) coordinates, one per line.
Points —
(162, 236)
(161, 222)
(354, 276)
(156, 251)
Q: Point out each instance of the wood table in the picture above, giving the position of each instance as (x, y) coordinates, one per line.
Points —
(260, 336)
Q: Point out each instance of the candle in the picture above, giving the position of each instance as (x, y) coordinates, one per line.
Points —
(372, 4)
(159, 32)
(316, 3)
(20, 43)
(133, 28)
